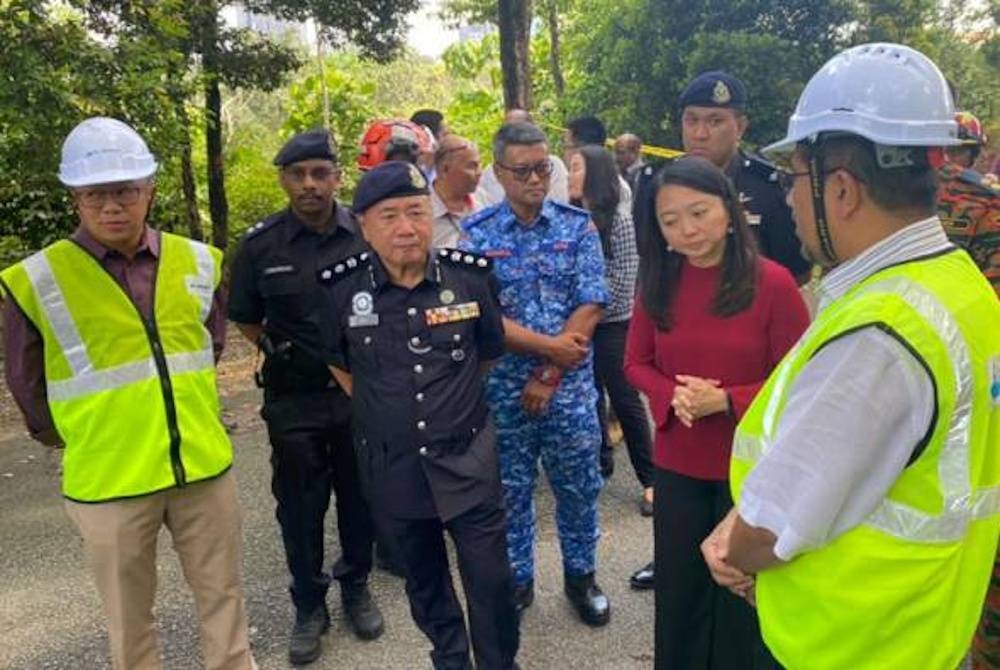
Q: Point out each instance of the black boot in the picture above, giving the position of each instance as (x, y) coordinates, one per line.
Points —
(524, 595)
(361, 611)
(304, 645)
(588, 599)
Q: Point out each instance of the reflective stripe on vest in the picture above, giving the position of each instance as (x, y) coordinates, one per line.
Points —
(961, 504)
(86, 379)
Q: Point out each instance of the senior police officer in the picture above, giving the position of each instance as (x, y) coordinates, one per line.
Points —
(547, 258)
(275, 302)
(865, 472)
(409, 334)
(109, 343)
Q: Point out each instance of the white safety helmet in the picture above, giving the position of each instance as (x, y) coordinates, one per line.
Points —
(890, 94)
(102, 151)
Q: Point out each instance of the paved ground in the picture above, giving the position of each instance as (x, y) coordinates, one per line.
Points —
(51, 618)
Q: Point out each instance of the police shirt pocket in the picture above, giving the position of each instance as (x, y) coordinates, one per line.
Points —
(453, 339)
(558, 258)
(362, 347)
(287, 282)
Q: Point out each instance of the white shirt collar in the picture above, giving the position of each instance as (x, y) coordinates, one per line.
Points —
(920, 238)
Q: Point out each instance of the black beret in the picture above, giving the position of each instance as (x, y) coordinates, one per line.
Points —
(307, 145)
(391, 179)
(715, 89)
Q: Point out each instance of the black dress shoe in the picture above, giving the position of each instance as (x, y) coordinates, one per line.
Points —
(643, 579)
(524, 595)
(304, 645)
(361, 611)
(588, 599)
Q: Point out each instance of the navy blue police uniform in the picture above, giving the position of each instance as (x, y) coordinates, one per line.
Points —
(308, 417)
(426, 443)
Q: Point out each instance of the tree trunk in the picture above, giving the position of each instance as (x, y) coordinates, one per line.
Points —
(515, 36)
(192, 216)
(217, 205)
(555, 50)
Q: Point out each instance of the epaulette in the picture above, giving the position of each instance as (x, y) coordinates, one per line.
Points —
(569, 208)
(476, 218)
(465, 259)
(761, 167)
(261, 226)
(344, 268)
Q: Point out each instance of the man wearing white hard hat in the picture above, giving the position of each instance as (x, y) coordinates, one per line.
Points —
(111, 341)
(865, 473)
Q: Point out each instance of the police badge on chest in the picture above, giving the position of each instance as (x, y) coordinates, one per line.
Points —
(362, 311)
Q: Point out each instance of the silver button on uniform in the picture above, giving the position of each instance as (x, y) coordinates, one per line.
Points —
(419, 397)
(421, 425)
(423, 451)
(418, 368)
(412, 311)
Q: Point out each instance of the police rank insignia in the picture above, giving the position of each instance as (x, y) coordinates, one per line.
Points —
(435, 316)
(363, 307)
(721, 94)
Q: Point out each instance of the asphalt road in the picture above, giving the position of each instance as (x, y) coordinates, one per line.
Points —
(50, 617)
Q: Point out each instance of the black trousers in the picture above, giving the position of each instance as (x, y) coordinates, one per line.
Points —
(609, 361)
(480, 539)
(699, 625)
(312, 453)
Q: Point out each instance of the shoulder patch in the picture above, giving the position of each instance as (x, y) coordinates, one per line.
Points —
(343, 268)
(466, 259)
(566, 207)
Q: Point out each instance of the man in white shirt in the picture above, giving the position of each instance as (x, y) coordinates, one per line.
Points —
(456, 160)
(862, 477)
(490, 192)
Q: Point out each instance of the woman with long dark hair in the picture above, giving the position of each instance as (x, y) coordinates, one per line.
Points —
(594, 184)
(712, 319)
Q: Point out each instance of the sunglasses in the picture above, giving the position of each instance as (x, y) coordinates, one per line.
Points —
(523, 172)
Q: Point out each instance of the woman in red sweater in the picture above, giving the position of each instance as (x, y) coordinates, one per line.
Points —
(712, 319)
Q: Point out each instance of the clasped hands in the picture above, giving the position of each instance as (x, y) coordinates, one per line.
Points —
(697, 397)
(565, 351)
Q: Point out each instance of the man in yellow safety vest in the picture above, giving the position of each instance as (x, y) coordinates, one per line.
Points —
(866, 474)
(111, 341)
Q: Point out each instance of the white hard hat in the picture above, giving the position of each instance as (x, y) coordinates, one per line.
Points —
(102, 151)
(890, 94)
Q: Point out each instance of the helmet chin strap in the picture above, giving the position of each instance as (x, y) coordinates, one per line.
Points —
(819, 205)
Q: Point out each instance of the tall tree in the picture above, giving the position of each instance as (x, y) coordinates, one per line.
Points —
(515, 37)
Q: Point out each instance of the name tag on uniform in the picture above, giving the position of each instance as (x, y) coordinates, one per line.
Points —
(451, 313)
(362, 320)
(278, 270)
(199, 287)
(753, 219)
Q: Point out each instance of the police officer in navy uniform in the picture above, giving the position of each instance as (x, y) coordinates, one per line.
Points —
(713, 120)
(410, 333)
(275, 300)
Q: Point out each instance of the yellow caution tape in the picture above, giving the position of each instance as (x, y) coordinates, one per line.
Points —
(648, 149)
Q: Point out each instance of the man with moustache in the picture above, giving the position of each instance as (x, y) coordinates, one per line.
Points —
(456, 162)
(275, 302)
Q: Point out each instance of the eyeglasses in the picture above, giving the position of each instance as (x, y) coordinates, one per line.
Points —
(94, 198)
(786, 178)
(523, 172)
(299, 174)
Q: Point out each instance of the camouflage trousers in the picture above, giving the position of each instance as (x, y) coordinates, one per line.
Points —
(986, 645)
(566, 440)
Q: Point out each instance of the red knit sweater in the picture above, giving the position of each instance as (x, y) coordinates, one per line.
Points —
(740, 350)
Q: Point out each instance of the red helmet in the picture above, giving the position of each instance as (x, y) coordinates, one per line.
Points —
(970, 129)
(405, 139)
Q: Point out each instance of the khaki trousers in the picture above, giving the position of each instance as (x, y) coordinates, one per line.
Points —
(120, 541)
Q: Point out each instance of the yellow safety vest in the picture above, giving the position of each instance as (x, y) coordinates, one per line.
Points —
(905, 588)
(135, 401)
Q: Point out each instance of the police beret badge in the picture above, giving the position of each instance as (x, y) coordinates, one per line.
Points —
(417, 179)
(720, 93)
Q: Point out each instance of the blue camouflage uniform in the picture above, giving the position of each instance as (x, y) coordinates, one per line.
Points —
(546, 271)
